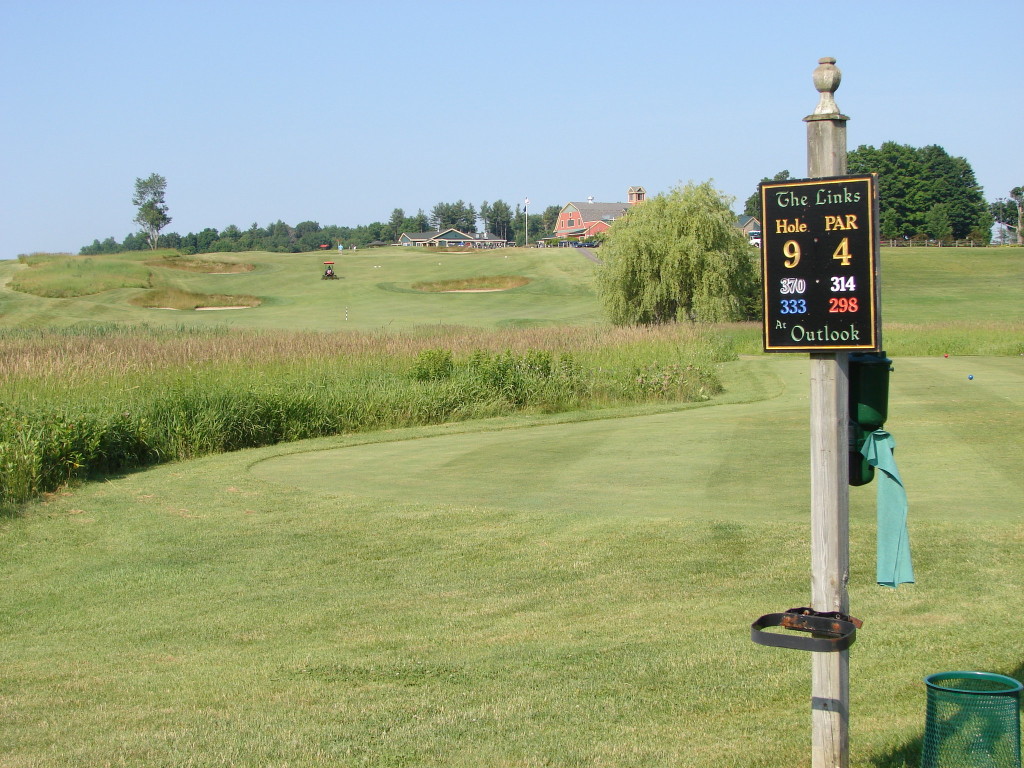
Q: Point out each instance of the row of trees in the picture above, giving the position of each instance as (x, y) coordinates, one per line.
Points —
(498, 218)
(278, 237)
(925, 194)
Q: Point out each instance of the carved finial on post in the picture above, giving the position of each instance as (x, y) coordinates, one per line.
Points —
(826, 128)
(826, 79)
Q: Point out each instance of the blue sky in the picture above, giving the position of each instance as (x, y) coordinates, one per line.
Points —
(341, 111)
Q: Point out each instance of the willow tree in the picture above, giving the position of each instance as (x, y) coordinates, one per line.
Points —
(678, 256)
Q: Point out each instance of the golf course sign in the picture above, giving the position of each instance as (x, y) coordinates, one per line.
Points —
(819, 264)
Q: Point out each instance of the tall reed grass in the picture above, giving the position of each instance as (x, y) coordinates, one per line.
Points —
(82, 403)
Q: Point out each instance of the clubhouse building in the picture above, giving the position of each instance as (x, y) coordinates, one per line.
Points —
(452, 238)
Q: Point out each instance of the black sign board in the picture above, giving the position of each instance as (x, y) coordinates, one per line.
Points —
(819, 263)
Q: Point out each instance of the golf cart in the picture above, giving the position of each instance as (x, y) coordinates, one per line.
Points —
(329, 271)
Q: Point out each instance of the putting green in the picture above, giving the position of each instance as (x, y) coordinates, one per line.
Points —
(739, 460)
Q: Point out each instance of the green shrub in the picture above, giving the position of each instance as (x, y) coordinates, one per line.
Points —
(675, 381)
(433, 365)
(534, 378)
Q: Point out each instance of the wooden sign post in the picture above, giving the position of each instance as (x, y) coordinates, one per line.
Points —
(830, 490)
(820, 270)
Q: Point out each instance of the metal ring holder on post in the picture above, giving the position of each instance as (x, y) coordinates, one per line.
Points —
(824, 632)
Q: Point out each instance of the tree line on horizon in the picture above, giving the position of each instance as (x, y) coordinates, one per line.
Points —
(924, 194)
(498, 218)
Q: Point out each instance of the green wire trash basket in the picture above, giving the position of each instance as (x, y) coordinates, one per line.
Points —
(972, 721)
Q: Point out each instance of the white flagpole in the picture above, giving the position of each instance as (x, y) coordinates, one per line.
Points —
(526, 208)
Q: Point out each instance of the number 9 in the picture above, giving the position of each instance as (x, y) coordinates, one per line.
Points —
(791, 250)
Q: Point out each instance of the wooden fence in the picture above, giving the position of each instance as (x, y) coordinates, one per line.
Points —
(934, 243)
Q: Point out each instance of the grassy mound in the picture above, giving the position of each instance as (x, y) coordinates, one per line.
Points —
(483, 283)
(172, 298)
(62, 276)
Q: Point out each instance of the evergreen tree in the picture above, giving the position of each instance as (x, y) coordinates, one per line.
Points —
(550, 217)
(458, 215)
(396, 224)
(497, 218)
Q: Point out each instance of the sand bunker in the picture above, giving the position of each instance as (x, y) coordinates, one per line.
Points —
(201, 309)
(479, 284)
(475, 290)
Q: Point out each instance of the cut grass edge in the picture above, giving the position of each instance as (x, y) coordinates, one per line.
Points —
(172, 298)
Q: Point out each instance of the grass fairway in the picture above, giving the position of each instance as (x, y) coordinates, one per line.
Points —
(524, 591)
(375, 291)
(613, 467)
(937, 285)
(528, 592)
(955, 300)
(961, 300)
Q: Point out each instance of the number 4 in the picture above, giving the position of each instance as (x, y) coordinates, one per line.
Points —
(843, 252)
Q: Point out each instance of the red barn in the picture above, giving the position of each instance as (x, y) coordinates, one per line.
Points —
(582, 220)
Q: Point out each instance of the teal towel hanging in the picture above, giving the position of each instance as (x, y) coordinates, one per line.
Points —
(894, 566)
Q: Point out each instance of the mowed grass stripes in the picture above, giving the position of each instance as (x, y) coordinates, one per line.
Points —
(220, 612)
